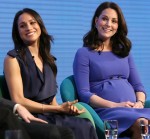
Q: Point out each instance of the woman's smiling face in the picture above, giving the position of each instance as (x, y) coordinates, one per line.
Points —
(107, 24)
(28, 28)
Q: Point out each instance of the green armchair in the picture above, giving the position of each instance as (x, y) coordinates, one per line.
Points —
(3, 88)
(69, 93)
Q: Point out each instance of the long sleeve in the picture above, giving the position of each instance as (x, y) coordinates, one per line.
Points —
(81, 75)
(6, 103)
(134, 78)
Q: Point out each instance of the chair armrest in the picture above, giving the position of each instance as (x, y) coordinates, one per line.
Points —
(147, 104)
(86, 114)
(98, 122)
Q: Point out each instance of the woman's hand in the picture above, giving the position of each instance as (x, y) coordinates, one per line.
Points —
(26, 115)
(69, 108)
(138, 104)
(127, 104)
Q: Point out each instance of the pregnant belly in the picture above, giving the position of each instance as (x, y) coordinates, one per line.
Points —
(115, 90)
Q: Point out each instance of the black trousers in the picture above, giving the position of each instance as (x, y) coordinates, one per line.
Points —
(47, 131)
(32, 130)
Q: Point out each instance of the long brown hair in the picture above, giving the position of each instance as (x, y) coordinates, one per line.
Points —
(121, 45)
(45, 39)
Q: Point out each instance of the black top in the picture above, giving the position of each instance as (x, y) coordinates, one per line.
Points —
(37, 86)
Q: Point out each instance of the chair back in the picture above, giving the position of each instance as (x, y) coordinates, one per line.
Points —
(68, 89)
(68, 92)
(3, 88)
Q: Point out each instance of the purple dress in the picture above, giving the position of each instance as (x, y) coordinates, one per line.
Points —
(112, 78)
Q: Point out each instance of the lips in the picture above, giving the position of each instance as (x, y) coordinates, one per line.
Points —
(106, 30)
(30, 33)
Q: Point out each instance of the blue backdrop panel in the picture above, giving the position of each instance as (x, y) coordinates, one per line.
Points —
(69, 20)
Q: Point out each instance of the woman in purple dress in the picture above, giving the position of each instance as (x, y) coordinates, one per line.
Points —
(105, 74)
(30, 72)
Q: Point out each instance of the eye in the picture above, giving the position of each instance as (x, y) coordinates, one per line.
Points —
(33, 22)
(21, 26)
(104, 18)
(114, 21)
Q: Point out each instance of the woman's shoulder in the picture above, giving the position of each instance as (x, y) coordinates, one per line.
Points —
(83, 50)
(11, 56)
(83, 53)
(10, 60)
(13, 53)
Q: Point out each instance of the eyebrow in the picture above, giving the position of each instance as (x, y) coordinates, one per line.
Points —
(107, 16)
(23, 22)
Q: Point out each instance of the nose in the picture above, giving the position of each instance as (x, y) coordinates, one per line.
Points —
(28, 27)
(108, 23)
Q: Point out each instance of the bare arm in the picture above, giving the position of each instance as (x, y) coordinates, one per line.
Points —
(97, 102)
(15, 86)
(140, 98)
(27, 116)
